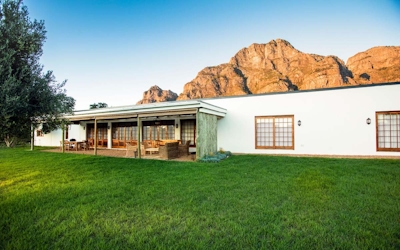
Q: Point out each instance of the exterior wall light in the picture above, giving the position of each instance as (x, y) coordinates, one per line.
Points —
(108, 127)
(177, 125)
(299, 122)
(368, 121)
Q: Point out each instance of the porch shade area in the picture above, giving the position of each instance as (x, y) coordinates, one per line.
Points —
(116, 126)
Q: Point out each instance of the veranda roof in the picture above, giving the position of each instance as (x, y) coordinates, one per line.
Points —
(149, 110)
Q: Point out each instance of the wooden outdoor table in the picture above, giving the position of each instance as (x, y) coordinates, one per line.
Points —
(77, 144)
(152, 150)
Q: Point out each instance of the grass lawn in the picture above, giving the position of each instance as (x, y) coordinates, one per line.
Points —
(68, 201)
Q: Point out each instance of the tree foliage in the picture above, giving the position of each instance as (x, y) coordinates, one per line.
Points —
(98, 105)
(28, 96)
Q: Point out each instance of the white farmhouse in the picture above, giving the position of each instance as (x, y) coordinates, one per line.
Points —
(351, 121)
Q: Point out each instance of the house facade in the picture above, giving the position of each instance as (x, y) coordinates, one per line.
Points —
(112, 128)
(351, 121)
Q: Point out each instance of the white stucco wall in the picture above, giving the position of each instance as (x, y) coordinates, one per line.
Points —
(333, 122)
(53, 138)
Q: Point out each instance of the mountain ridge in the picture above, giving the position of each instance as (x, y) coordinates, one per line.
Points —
(279, 67)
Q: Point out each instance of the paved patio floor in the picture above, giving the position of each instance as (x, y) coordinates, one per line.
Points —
(122, 154)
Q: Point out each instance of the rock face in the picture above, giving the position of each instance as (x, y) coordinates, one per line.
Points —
(222, 80)
(278, 67)
(378, 64)
(273, 67)
(156, 94)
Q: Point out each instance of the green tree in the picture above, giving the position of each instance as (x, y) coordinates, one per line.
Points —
(98, 105)
(28, 96)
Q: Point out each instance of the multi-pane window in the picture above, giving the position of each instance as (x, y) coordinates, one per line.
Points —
(150, 132)
(124, 131)
(274, 132)
(188, 131)
(159, 130)
(101, 131)
(101, 134)
(388, 131)
(132, 133)
(146, 133)
(166, 132)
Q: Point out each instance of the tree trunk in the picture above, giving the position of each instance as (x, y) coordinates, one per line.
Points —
(10, 141)
(32, 138)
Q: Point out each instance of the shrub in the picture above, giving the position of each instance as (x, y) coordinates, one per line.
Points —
(215, 157)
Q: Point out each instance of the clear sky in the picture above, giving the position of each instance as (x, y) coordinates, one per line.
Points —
(113, 50)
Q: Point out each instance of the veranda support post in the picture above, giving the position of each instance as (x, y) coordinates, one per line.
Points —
(95, 136)
(62, 138)
(139, 147)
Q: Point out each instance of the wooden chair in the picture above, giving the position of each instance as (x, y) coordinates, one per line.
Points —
(147, 144)
(91, 143)
(115, 143)
(67, 145)
(85, 145)
(157, 143)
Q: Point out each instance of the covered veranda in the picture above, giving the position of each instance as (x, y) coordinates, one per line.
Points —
(191, 124)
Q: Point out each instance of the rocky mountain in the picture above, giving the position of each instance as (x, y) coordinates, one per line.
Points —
(156, 94)
(378, 64)
(278, 67)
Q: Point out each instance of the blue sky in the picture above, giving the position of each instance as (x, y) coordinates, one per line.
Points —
(113, 50)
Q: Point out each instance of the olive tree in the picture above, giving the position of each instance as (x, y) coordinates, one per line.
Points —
(98, 105)
(28, 95)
